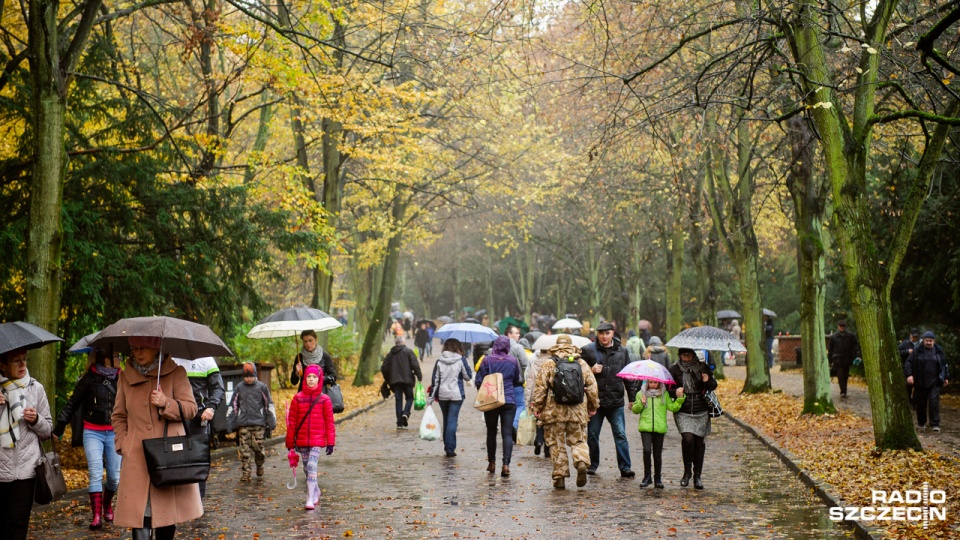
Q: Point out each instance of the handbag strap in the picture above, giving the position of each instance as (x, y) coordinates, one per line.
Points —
(186, 430)
(53, 446)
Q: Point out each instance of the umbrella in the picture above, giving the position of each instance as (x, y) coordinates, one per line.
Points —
(567, 323)
(706, 337)
(471, 320)
(644, 325)
(769, 313)
(445, 320)
(180, 338)
(468, 309)
(511, 321)
(466, 333)
(728, 314)
(545, 342)
(532, 337)
(408, 315)
(646, 370)
(291, 321)
(480, 313)
(83, 345)
(294, 459)
(23, 335)
(428, 322)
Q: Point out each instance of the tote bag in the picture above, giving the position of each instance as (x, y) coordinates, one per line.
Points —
(490, 395)
(177, 460)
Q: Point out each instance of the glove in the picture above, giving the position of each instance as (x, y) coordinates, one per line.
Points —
(329, 380)
(330, 450)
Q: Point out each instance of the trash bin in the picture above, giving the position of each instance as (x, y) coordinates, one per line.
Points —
(798, 352)
(232, 375)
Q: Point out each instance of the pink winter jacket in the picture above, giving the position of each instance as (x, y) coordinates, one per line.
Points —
(317, 429)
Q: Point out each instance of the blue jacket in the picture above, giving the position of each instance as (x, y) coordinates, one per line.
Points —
(500, 361)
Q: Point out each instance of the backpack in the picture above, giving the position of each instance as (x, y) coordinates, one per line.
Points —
(568, 382)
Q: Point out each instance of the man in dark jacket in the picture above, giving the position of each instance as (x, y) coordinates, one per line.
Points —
(606, 358)
(400, 371)
(906, 348)
(927, 371)
(420, 339)
(841, 350)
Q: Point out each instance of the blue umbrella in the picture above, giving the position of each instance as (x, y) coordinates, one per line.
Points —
(83, 346)
(466, 333)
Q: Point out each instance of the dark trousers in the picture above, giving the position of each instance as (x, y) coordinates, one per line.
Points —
(538, 441)
(401, 391)
(927, 399)
(693, 449)
(843, 373)
(16, 501)
(652, 444)
(503, 414)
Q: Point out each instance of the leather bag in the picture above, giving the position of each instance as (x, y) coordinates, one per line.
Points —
(336, 397)
(177, 460)
(50, 483)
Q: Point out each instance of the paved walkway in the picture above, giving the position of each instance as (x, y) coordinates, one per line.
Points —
(383, 483)
(858, 401)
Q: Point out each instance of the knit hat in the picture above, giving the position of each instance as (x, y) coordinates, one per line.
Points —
(144, 341)
(249, 369)
(314, 369)
(680, 352)
(928, 335)
(655, 341)
(399, 341)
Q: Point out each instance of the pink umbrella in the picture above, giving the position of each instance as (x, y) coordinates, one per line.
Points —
(644, 325)
(646, 370)
(294, 458)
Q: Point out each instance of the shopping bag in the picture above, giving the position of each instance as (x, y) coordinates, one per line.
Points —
(419, 397)
(490, 395)
(429, 425)
(527, 429)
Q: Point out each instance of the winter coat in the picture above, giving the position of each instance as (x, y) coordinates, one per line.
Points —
(842, 348)
(653, 415)
(498, 360)
(19, 462)
(613, 359)
(136, 419)
(93, 398)
(659, 354)
(251, 406)
(914, 367)
(517, 351)
(326, 364)
(315, 428)
(421, 337)
(400, 366)
(905, 348)
(635, 348)
(205, 379)
(446, 382)
(551, 412)
(695, 402)
(530, 381)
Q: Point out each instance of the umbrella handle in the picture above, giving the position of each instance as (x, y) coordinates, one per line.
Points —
(294, 484)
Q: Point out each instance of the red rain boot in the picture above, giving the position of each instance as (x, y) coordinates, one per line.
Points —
(96, 504)
(108, 505)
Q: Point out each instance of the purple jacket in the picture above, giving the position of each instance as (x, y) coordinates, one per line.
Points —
(498, 360)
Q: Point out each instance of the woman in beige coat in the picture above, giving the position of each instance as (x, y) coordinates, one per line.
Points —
(140, 412)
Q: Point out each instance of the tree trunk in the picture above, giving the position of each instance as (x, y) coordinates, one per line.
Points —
(373, 338)
(262, 137)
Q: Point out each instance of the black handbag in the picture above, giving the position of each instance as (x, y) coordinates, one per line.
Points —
(336, 397)
(714, 403)
(50, 483)
(177, 460)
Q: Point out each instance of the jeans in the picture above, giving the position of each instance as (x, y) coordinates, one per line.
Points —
(422, 352)
(614, 415)
(16, 501)
(521, 406)
(450, 411)
(98, 446)
(504, 414)
(923, 397)
(401, 391)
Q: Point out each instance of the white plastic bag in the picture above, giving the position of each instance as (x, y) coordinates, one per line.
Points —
(527, 429)
(429, 426)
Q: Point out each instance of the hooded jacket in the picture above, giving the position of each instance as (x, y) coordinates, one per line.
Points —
(653, 414)
(613, 359)
(500, 361)
(446, 382)
(657, 352)
(401, 366)
(251, 406)
(310, 426)
(205, 380)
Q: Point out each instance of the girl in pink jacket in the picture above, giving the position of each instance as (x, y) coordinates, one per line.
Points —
(310, 428)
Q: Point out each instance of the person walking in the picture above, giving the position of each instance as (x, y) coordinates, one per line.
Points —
(401, 370)
(446, 388)
(24, 422)
(420, 339)
(906, 348)
(693, 418)
(208, 392)
(498, 360)
(606, 358)
(565, 424)
(530, 382)
(93, 398)
(251, 413)
(657, 352)
(635, 348)
(312, 354)
(517, 351)
(652, 404)
(841, 350)
(143, 410)
(927, 371)
(310, 429)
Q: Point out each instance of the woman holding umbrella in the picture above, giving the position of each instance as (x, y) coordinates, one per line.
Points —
(693, 418)
(151, 392)
(312, 354)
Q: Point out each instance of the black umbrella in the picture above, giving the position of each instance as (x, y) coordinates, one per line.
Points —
(769, 313)
(296, 313)
(428, 322)
(23, 335)
(179, 338)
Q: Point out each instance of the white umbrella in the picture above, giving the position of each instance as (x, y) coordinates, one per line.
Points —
(279, 329)
(706, 337)
(545, 342)
(567, 323)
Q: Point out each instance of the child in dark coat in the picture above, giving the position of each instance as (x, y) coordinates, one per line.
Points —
(251, 412)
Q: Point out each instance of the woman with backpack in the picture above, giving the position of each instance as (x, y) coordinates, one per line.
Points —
(500, 361)
(446, 388)
(693, 418)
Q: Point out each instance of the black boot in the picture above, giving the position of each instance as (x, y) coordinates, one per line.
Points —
(685, 479)
(697, 483)
(647, 480)
(166, 533)
(536, 449)
(142, 533)
(657, 483)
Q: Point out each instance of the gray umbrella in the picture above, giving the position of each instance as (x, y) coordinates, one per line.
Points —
(728, 314)
(533, 336)
(706, 337)
(769, 313)
(23, 335)
(445, 320)
(183, 339)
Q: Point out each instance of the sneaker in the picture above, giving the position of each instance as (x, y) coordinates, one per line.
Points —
(582, 472)
(404, 420)
(259, 470)
(591, 471)
(936, 429)
(627, 473)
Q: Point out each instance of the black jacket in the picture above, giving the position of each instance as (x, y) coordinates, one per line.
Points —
(694, 389)
(93, 398)
(915, 369)
(421, 337)
(329, 371)
(906, 347)
(400, 366)
(843, 348)
(613, 359)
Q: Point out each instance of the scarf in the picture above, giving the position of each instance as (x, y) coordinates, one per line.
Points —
(311, 358)
(690, 370)
(148, 368)
(15, 392)
(650, 393)
(108, 372)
